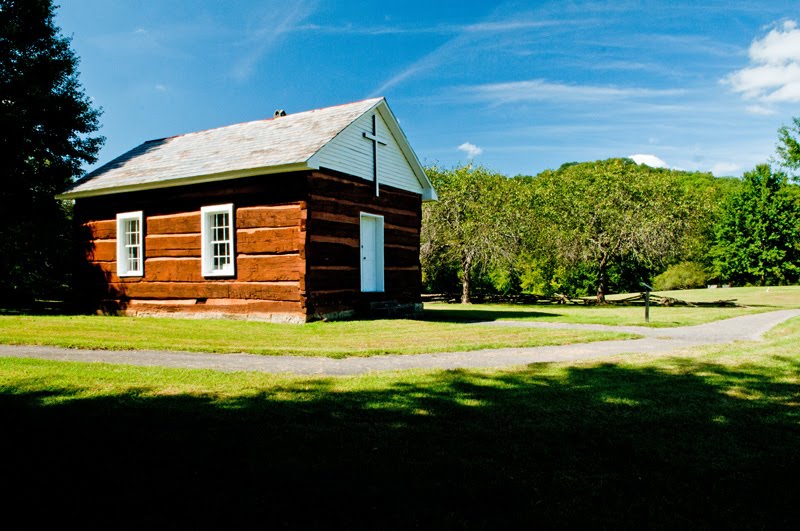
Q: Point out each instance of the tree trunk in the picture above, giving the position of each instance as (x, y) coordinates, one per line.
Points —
(602, 282)
(466, 268)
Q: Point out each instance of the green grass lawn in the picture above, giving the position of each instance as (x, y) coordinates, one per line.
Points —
(700, 439)
(753, 300)
(445, 327)
(338, 339)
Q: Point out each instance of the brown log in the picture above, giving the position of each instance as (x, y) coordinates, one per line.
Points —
(174, 224)
(333, 278)
(101, 230)
(172, 245)
(280, 291)
(173, 270)
(351, 218)
(214, 306)
(338, 206)
(269, 268)
(268, 240)
(269, 216)
(102, 251)
(353, 189)
(349, 241)
(333, 254)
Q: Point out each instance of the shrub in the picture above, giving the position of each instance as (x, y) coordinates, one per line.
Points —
(686, 275)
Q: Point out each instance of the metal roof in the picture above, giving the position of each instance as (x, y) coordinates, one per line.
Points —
(278, 144)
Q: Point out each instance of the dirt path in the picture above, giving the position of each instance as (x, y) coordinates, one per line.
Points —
(657, 340)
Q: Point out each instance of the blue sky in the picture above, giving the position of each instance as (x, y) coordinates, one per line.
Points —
(516, 86)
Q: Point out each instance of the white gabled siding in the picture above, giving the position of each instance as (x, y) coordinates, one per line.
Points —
(351, 153)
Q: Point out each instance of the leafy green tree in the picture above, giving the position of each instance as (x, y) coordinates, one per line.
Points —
(46, 122)
(757, 238)
(616, 213)
(478, 221)
(788, 147)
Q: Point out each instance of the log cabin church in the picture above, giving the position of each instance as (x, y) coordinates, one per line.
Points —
(314, 215)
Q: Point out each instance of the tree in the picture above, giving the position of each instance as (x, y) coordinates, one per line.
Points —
(616, 212)
(757, 238)
(788, 147)
(46, 122)
(477, 221)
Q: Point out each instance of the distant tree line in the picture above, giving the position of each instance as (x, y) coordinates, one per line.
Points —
(593, 228)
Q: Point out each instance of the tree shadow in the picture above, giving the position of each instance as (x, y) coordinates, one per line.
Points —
(479, 315)
(604, 446)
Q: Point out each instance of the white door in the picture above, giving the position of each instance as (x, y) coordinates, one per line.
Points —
(371, 253)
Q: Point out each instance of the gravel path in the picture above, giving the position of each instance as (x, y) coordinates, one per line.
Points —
(657, 340)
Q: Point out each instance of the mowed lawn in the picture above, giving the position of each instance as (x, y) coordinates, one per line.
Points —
(336, 340)
(444, 327)
(752, 300)
(698, 439)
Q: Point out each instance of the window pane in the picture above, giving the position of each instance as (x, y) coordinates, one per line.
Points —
(219, 240)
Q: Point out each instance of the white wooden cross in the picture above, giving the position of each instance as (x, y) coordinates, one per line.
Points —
(373, 136)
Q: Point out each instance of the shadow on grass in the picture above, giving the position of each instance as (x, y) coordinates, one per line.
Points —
(602, 446)
(478, 315)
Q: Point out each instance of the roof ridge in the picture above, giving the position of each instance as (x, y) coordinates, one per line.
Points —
(264, 119)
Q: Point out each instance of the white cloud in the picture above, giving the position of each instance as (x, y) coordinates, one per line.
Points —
(470, 149)
(160, 88)
(649, 160)
(760, 110)
(774, 71)
(541, 90)
(725, 168)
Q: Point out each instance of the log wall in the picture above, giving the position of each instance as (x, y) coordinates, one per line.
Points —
(297, 248)
(270, 244)
(333, 277)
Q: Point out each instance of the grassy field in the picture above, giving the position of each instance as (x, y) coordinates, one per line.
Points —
(753, 300)
(339, 339)
(701, 439)
(445, 327)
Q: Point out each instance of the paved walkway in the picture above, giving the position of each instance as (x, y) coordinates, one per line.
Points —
(656, 340)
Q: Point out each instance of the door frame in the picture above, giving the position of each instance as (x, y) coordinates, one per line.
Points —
(379, 251)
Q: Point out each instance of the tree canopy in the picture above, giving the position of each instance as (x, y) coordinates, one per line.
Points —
(788, 147)
(608, 211)
(46, 126)
(757, 237)
(478, 221)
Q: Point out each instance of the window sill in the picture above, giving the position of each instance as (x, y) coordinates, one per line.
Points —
(218, 274)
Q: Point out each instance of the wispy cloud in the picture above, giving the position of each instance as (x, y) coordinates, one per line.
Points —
(760, 110)
(470, 149)
(541, 90)
(466, 37)
(425, 63)
(774, 71)
(436, 29)
(272, 28)
(140, 41)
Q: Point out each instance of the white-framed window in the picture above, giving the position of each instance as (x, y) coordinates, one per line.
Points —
(130, 244)
(217, 241)
(371, 252)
